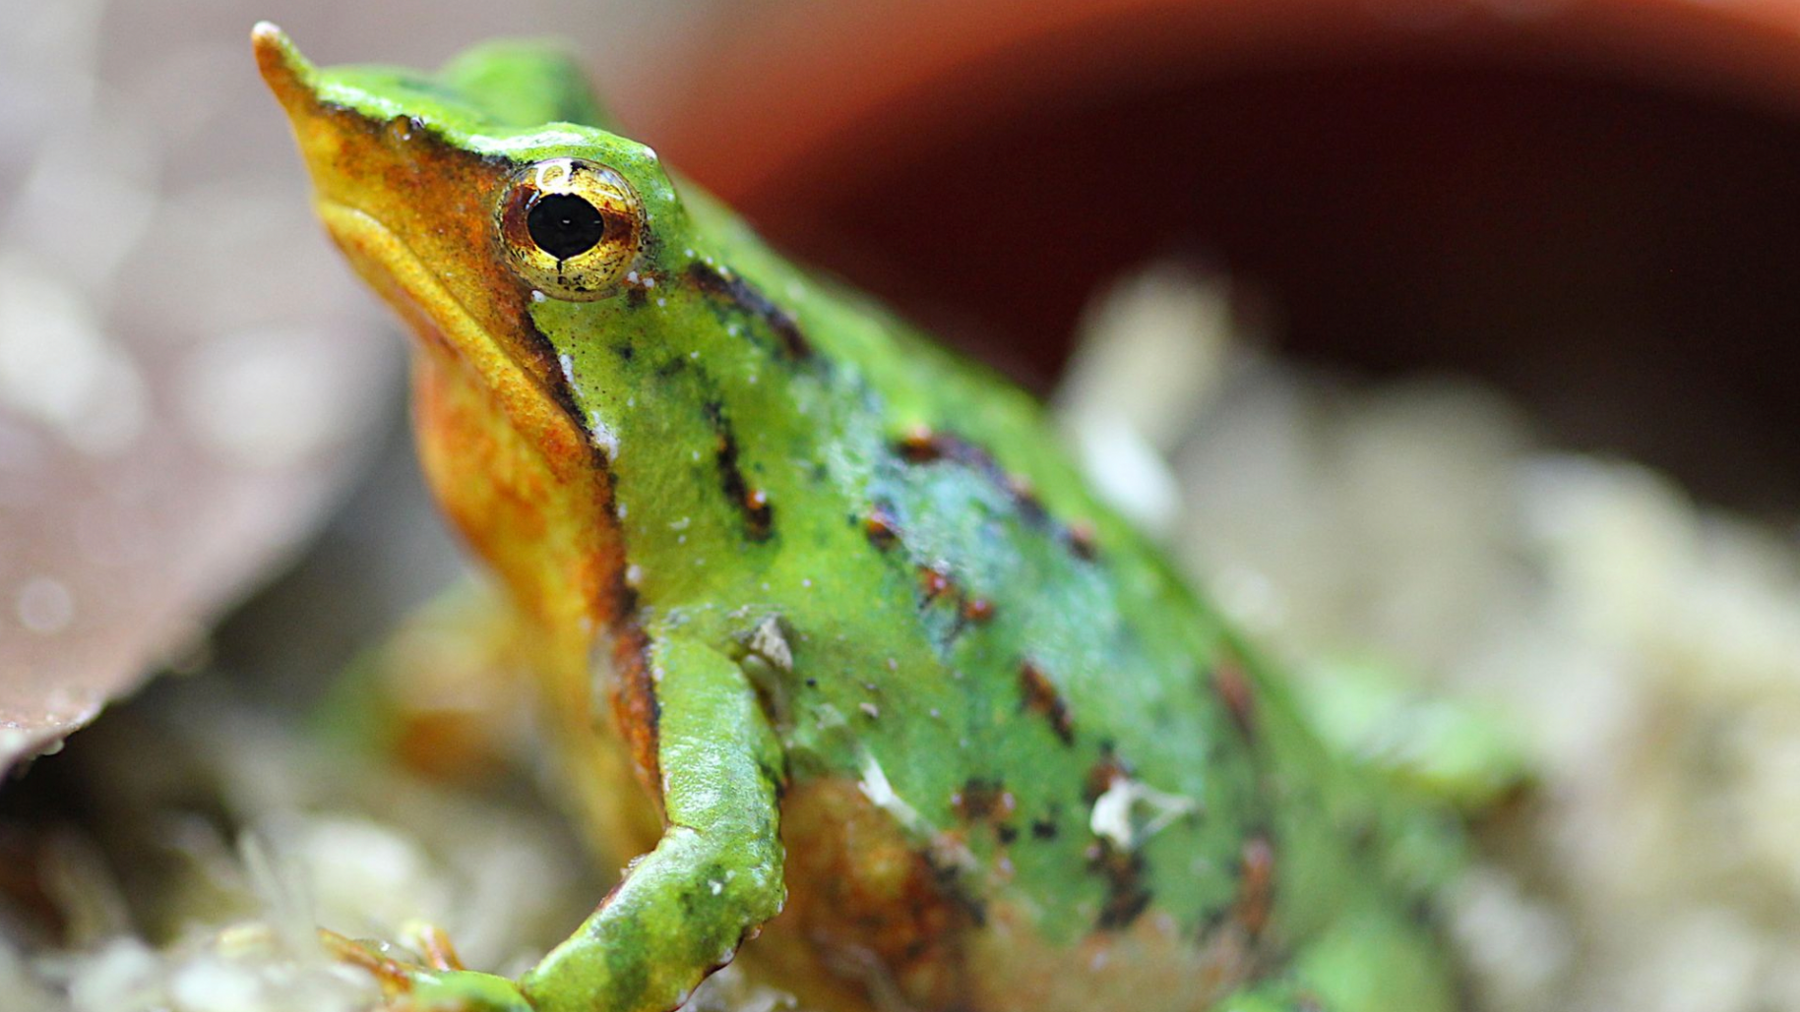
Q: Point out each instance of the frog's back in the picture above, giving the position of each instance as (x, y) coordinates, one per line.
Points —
(1000, 681)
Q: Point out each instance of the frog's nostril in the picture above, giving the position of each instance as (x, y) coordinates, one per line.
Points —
(565, 225)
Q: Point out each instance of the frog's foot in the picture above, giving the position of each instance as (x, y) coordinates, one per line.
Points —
(439, 984)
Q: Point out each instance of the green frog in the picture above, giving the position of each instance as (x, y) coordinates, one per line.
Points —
(830, 631)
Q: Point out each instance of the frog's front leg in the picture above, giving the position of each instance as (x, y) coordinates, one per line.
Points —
(716, 876)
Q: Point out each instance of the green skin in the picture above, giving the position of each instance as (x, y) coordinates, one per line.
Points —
(1070, 737)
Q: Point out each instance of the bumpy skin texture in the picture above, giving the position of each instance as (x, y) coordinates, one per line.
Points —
(875, 648)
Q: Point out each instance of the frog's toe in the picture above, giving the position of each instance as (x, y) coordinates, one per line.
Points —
(440, 986)
(464, 991)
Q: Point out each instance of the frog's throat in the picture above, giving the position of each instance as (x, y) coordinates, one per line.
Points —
(439, 320)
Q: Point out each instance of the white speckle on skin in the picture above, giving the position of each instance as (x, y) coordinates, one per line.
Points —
(634, 574)
(660, 301)
(680, 525)
(716, 886)
(869, 710)
(806, 582)
(604, 438)
(696, 454)
(1113, 815)
(688, 253)
(568, 368)
(631, 276)
(893, 664)
(935, 714)
(693, 354)
(875, 786)
(537, 296)
(768, 642)
(45, 606)
(681, 539)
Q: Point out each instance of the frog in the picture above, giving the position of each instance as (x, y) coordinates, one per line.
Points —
(834, 640)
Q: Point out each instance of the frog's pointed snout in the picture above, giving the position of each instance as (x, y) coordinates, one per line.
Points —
(287, 73)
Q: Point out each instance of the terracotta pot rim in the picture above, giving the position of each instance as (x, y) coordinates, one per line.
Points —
(753, 105)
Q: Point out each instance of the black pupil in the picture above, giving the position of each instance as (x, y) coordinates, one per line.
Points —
(564, 225)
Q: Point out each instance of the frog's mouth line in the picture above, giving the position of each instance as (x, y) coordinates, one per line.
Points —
(398, 273)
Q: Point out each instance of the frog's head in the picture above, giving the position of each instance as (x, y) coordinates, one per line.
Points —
(468, 196)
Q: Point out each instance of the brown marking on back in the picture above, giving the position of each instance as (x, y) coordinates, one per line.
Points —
(1104, 773)
(1127, 895)
(934, 583)
(1256, 885)
(753, 504)
(978, 609)
(982, 800)
(879, 525)
(921, 444)
(1232, 685)
(1083, 540)
(741, 295)
(1041, 698)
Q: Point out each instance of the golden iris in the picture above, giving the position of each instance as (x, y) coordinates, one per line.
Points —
(570, 227)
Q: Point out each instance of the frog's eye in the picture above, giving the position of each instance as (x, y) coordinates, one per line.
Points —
(570, 227)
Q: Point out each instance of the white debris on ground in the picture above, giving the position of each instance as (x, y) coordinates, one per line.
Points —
(310, 837)
(1643, 650)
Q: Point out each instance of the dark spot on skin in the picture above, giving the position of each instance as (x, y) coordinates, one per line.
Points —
(1256, 885)
(672, 366)
(1127, 896)
(1082, 540)
(934, 583)
(744, 297)
(1006, 834)
(950, 884)
(920, 445)
(1102, 775)
(812, 683)
(636, 298)
(923, 445)
(879, 526)
(1043, 829)
(1042, 699)
(759, 515)
(402, 129)
(1233, 688)
(981, 800)
(625, 351)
